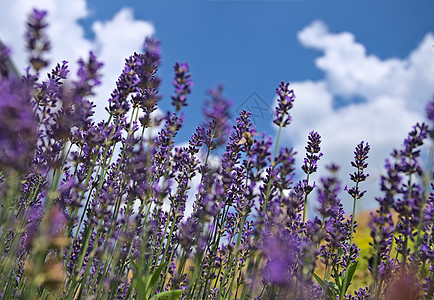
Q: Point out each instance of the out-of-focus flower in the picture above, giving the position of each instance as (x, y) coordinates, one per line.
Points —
(430, 115)
(281, 250)
(7, 67)
(18, 133)
(217, 118)
(430, 110)
(36, 39)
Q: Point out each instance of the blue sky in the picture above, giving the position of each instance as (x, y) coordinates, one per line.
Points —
(251, 46)
(361, 70)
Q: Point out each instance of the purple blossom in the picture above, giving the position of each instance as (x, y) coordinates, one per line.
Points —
(18, 127)
(261, 153)
(232, 173)
(328, 194)
(89, 76)
(138, 78)
(285, 101)
(430, 116)
(430, 110)
(182, 84)
(7, 67)
(217, 116)
(360, 156)
(360, 294)
(37, 42)
(281, 250)
(33, 219)
(313, 153)
(285, 168)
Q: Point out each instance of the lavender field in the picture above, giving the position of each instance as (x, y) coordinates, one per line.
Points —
(117, 210)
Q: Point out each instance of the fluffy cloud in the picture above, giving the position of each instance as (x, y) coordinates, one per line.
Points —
(351, 71)
(394, 93)
(114, 40)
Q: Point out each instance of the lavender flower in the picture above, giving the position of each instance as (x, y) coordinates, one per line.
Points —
(7, 67)
(182, 84)
(33, 219)
(360, 156)
(138, 77)
(310, 165)
(409, 204)
(18, 127)
(430, 115)
(328, 194)
(430, 110)
(281, 250)
(217, 117)
(285, 101)
(382, 228)
(37, 41)
(313, 153)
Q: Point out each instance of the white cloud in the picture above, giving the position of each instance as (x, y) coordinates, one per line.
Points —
(394, 93)
(115, 39)
(351, 71)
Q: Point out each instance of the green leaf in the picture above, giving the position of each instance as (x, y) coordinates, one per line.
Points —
(330, 287)
(351, 270)
(171, 295)
(146, 284)
(156, 275)
(333, 286)
(139, 283)
(337, 278)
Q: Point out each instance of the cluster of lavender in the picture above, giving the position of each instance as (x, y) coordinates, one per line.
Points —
(107, 210)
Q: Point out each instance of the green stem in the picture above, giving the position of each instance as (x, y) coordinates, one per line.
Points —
(342, 293)
(305, 200)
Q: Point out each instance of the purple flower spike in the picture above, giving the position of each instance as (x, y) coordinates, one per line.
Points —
(430, 110)
(360, 156)
(89, 75)
(313, 153)
(281, 250)
(217, 114)
(430, 115)
(328, 194)
(7, 67)
(138, 78)
(285, 101)
(37, 41)
(183, 84)
(18, 126)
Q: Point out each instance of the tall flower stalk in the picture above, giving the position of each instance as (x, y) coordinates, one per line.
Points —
(360, 157)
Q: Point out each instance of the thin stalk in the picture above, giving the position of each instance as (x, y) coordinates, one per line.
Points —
(305, 200)
(342, 293)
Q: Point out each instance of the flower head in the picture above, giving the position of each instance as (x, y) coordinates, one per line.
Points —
(360, 156)
(182, 84)
(285, 101)
(313, 153)
(7, 67)
(217, 115)
(37, 41)
(430, 110)
(18, 126)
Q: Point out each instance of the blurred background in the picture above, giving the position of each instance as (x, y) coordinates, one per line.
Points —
(360, 70)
